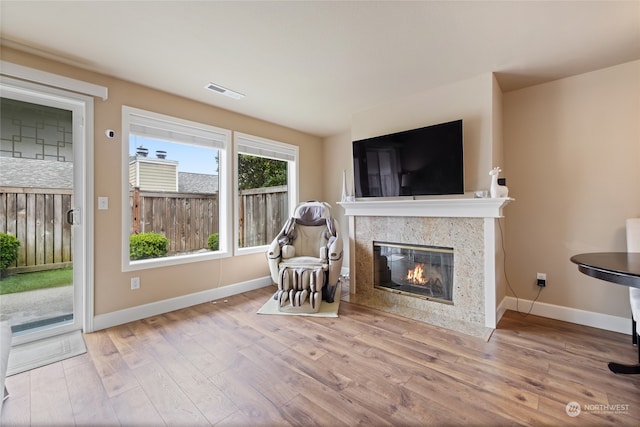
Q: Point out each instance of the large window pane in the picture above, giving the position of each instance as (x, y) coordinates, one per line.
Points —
(266, 189)
(175, 210)
(174, 192)
(264, 198)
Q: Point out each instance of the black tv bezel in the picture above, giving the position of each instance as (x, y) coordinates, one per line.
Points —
(402, 137)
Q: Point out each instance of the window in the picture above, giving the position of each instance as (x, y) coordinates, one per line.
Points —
(266, 190)
(175, 190)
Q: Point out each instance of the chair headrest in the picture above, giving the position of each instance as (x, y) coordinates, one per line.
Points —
(312, 213)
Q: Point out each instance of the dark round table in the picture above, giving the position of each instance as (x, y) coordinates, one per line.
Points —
(622, 268)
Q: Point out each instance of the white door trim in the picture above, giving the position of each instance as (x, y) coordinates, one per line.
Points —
(82, 108)
(38, 76)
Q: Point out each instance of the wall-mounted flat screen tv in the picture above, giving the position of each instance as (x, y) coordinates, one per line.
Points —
(424, 161)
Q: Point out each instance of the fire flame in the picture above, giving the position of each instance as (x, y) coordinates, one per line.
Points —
(416, 276)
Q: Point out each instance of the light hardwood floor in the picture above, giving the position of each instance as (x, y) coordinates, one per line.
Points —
(222, 364)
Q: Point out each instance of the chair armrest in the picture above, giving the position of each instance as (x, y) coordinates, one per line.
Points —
(5, 347)
(335, 257)
(273, 259)
(335, 249)
(273, 252)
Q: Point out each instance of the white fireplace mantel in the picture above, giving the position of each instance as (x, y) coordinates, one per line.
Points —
(463, 206)
(449, 207)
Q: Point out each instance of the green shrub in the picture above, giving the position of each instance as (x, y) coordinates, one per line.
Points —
(8, 250)
(147, 245)
(213, 242)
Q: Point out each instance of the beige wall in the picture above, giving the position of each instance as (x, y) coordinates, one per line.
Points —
(338, 157)
(497, 159)
(572, 150)
(571, 155)
(477, 101)
(470, 100)
(112, 286)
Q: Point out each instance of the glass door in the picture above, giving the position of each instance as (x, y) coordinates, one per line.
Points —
(41, 167)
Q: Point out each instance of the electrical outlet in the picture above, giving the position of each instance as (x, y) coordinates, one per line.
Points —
(542, 279)
(135, 283)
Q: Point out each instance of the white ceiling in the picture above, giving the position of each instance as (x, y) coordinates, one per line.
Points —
(311, 65)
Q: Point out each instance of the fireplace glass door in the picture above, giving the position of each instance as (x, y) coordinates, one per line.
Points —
(422, 271)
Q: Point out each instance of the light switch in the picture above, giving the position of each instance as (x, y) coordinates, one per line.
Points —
(103, 203)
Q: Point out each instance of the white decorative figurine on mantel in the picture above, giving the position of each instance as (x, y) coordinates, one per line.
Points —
(496, 190)
(346, 197)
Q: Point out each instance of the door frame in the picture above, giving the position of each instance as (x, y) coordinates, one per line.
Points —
(82, 115)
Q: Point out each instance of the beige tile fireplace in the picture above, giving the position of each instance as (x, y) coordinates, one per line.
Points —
(464, 223)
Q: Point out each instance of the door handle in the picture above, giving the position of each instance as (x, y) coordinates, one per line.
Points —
(73, 216)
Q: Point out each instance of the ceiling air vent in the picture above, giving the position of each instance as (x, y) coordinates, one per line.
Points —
(224, 91)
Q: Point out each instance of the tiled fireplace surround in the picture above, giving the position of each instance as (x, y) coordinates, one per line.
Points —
(465, 224)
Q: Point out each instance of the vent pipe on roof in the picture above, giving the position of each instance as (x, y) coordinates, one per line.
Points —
(161, 154)
(142, 152)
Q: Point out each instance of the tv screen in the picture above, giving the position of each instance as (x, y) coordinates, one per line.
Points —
(424, 161)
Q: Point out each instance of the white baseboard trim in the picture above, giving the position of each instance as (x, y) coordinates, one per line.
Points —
(568, 314)
(500, 309)
(103, 321)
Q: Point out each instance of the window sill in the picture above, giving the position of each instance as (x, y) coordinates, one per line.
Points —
(145, 264)
(252, 250)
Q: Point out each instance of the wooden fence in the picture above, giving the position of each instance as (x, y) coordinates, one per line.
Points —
(263, 212)
(186, 219)
(37, 217)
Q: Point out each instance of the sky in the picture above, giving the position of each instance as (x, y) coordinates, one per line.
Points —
(190, 158)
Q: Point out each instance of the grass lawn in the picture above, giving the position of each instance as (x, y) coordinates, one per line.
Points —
(37, 280)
